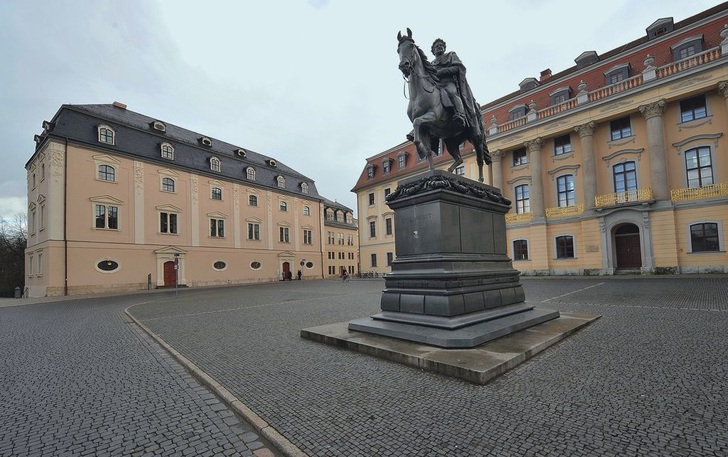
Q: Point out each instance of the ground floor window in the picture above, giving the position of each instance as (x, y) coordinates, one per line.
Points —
(565, 247)
(520, 250)
(704, 237)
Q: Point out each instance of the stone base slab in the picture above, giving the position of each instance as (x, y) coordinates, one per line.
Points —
(476, 365)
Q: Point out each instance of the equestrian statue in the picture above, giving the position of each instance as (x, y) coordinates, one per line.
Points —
(441, 105)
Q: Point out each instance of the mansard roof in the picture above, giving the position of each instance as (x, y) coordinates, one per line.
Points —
(137, 137)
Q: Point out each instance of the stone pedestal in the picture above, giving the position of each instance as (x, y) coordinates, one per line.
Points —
(452, 284)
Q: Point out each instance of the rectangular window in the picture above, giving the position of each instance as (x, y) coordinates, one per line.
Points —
(372, 229)
(40, 263)
(253, 231)
(390, 257)
(370, 171)
(217, 228)
(401, 160)
(107, 217)
(699, 167)
(520, 157)
(693, 108)
(523, 200)
(283, 235)
(168, 222)
(625, 177)
(564, 247)
(703, 237)
(371, 199)
(565, 189)
(388, 226)
(387, 191)
(374, 260)
(385, 166)
(562, 145)
(30, 265)
(620, 128)
(520, 250)
(307, 236)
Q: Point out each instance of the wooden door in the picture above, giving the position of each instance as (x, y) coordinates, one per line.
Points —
(170, 275)
(627, 244)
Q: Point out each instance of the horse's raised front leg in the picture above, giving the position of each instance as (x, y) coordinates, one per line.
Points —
(422, 137)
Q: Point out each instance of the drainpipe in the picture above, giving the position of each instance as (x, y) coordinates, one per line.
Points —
(65, 219)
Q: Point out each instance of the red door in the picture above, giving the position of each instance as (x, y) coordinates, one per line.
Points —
(627, 244)
(286, 269)
(170, 275)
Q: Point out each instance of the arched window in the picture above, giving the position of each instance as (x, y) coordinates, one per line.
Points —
(281, 181)
(214, 164)
(304, 187)
(216, 193)
(306, 211)
(253, 200)
(107, 173)
(284, 206)
(167, 151)
(168, 184)
(250, 173)
(106, 134)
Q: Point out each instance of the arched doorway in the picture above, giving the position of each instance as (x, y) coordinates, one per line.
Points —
(170, 274)
(627, 247)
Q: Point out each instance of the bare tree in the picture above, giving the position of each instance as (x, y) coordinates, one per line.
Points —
(13, 240)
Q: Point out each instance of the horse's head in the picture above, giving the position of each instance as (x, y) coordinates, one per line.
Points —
(406, 51)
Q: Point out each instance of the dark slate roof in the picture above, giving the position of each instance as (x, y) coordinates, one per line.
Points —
(336, 205)
(137, 138)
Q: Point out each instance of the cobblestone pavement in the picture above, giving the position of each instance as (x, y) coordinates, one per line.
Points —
(78, 378)
(648, 378)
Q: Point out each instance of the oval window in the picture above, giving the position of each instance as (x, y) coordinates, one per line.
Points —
(309, 265)
(107, 265)
(255, 265)
(219, 265)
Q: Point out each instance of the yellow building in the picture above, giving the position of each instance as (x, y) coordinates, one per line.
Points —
(613, 165)
(122, 201)
(342, 239)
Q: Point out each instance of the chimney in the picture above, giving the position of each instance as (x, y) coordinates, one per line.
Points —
(546, 74)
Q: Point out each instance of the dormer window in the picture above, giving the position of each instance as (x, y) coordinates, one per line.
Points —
(250, 173)
(214, 164)
(516, 112)
(401, 160)
(167, 151)
(660, 27)
(586, 58)
(159, 125)
(560, 95)
(687, 47)
(106, 134)
(271, 163)
(528, 84)
(304, 187)
(386, 165)
(205, 141)
(616, 74)
(370, 171)
(240, 152)
(281, 181)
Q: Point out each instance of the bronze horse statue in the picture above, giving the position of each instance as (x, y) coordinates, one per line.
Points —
(431, 120)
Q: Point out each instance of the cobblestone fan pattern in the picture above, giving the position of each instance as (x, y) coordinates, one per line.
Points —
(77, 378)
(650, 378)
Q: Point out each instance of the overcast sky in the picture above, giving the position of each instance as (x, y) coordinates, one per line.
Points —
(313, 83)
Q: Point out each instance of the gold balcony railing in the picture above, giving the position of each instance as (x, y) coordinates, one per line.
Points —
(697, 193)
(618, 198)
(565, 211)
(522, 217)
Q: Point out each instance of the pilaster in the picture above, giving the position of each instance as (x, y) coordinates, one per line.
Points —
(656, 143)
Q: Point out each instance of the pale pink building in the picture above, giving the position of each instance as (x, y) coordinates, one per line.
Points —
(121, 201)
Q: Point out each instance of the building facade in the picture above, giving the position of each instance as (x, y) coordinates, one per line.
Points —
(342, 240)
(121, 201)
(615, 165)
